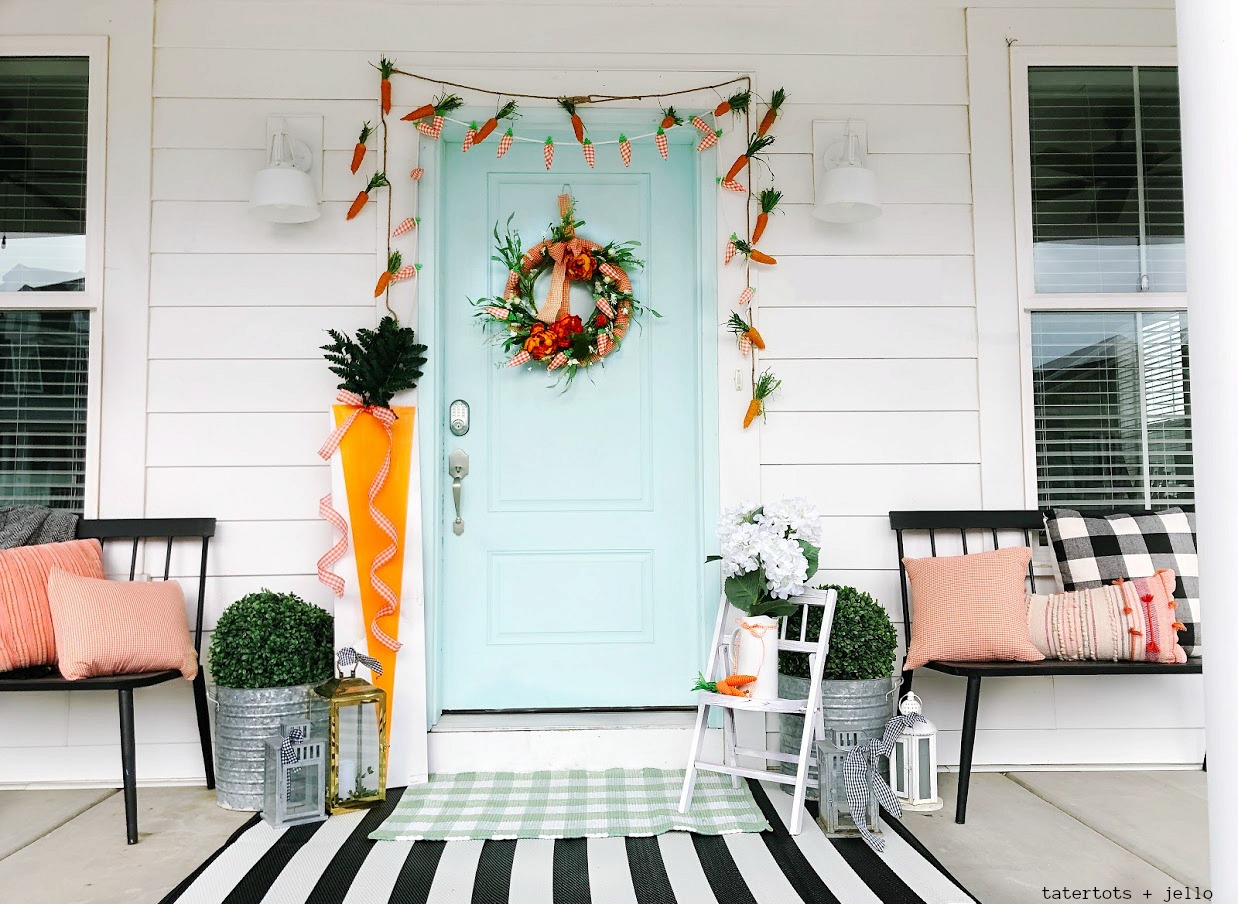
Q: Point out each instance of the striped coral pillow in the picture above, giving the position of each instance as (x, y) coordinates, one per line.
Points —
(970, 608)
(26, 635)
(119, 627)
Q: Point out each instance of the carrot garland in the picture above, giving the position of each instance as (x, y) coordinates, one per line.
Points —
(578, 126)
(776, 100)
(765, 386)
(769, 199)
(358, 153)
(385, 68)
(670, 118)
(378, 180)
(440, 107)
(753, 254)
(736, 103)
(744, 330)
(507, 111)
(384, 280)
(420, 113)
(756, 144)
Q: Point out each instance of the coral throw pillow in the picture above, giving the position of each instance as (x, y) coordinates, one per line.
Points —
(26, 636)
(1128, 621)
(970, 608)
(119, 627)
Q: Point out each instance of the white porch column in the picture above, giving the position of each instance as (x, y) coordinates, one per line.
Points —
(1208, 63)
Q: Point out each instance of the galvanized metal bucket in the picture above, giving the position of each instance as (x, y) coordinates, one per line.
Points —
(864, 706)
(244, 719)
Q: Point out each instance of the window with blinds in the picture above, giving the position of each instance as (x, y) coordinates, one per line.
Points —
(1111, 392)
(44, 365)
(1106, 167)
(43, 138)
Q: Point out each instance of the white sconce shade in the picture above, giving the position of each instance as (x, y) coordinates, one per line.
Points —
(847, 192)
(283, 191)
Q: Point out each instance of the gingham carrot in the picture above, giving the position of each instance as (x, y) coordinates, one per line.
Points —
(590, 152)
(756, 144)
(505, 112)
(702, 125)
(766, 385)
(746, 296)
(776, 100)
(670, 118)
(378, 180)
(660, 140)
(625, 150)
(753, 254)
(408, 224)
(578, 126)
(470, 138)
(358, 153)
(416, 174)
(737, 187)
(769, 199)
(505, 143)
(710, 139)
(731, 249)
(384, 280)
(432, 129)
(736, 103)
(548, 151)
(385, 68)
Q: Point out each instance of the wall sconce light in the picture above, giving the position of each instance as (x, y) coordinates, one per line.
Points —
(846, 187)
(283, 190)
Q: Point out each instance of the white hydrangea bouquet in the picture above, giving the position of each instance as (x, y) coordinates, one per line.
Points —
(769, 553)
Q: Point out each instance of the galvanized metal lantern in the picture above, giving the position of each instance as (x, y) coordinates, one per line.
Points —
(357, 740)
(913, 762)
(836, 816)
(296, 769)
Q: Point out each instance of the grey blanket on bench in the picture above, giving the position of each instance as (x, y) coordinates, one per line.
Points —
(27, 525)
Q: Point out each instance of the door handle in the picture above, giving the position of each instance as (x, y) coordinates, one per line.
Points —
(457, 469)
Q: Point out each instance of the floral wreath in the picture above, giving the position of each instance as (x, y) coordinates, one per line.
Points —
(550, 334)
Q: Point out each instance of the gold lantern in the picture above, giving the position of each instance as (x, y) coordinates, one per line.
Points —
(357, 738)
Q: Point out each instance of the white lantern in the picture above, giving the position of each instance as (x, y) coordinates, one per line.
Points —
(913, 762)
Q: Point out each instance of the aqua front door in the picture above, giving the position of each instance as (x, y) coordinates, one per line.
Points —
(577, 580)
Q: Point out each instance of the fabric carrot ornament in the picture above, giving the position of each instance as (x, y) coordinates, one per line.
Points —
(747, 295)
(769, 199)
(728, 686)
(548, 151)
(416, 174)
(507, 111)
(589, 151)
(470, 138)
(702, 125)
(731, 249)
(732, 185)
(385, 68)
(443, 106)
(406, 272)
(505, 143)
(384, 280)
(440, 106)
(756, 144)
(776, 100)
(578, 126)
(753, 254)
(378, 180)
(408, 224)
(358, 153)
(660, 140)
(746, 334)
(625, 150)
(737, 103)
(710, 139)
(670, 118)
(766, 385)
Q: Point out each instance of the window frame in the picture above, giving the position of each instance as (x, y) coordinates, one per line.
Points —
(95, 49)
(1030, 301)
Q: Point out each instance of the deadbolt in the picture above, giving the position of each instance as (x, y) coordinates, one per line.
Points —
(458, 417)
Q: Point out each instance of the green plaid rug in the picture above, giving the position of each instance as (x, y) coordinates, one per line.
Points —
(568, 804)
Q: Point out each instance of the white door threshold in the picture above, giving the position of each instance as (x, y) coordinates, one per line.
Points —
(565, 721)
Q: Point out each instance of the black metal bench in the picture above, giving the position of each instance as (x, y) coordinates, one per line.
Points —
(48, 678)
(983, 527)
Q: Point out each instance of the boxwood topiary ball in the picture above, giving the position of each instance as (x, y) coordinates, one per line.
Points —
(269, 639)
(863, 641)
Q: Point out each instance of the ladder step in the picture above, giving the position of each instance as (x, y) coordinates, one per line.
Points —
(762, 775)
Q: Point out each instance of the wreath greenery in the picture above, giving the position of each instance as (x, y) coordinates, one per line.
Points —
(551, 336)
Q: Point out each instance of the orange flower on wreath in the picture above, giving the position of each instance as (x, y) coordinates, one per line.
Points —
(580, 266)
(565, 328)
(541, 342)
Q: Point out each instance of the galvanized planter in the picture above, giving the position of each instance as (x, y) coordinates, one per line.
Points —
(865, 706)
(244, 719)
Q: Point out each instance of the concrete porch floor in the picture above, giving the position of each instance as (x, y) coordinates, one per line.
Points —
(1026, 832)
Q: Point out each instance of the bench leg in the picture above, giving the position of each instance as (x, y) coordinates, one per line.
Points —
(128, 758)
(204, 727)
(968, 741)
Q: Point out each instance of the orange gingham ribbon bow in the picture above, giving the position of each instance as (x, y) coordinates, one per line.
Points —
(386, 417)
(558, 299)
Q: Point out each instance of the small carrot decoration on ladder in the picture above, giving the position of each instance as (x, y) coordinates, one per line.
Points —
(507, 111)
(728, 686)
(776, 100)
(756, 144)
(737, 103)
(385, 68)
(745, 333)
(769, 199)
(378, 180)
(578, 127)
(759, 257)
(765, 386)
(670, 118)
(358, 153)
(384, 280)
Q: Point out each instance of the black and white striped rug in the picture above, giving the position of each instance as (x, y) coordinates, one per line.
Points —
(334, 862)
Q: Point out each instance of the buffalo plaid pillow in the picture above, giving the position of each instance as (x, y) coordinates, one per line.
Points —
(1094, 550)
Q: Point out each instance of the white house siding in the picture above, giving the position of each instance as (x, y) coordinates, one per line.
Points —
(874, 328)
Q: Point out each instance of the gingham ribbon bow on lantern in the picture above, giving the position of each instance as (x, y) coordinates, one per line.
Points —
(349, 657)
(287, 755)
(855, 777)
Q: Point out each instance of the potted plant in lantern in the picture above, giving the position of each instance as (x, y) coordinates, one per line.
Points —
(768, 555)
(856, 684)
(267, 653)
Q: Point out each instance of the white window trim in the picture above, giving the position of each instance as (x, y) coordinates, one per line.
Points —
(95, 48)
(1030, 301)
